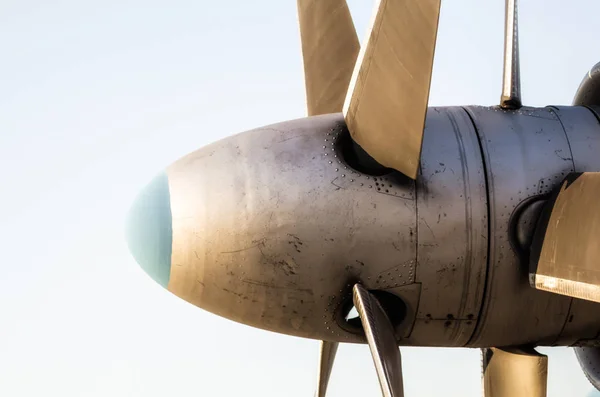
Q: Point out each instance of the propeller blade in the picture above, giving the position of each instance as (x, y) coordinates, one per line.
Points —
(326, 358)
(511, 81)
(382, 342)
(514, 372)
(565, 249)
(329, 50)
(387, 98)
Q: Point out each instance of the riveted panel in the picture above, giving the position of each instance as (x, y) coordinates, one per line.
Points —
(452, 230)
(272, 228)
(526, 154)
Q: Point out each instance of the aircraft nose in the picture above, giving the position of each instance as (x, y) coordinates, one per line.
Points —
(149, 231)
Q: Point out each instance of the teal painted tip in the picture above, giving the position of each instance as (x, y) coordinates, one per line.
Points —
(149, 230)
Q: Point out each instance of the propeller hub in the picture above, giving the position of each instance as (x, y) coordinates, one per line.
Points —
(149, 230)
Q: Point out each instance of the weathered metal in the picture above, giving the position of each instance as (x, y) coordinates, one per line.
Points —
(274, 226)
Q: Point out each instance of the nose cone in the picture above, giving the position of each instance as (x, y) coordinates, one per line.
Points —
(149, 230)
(272, 227)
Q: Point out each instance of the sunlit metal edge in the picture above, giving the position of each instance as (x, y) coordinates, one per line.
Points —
(575, 289)
(327, 354)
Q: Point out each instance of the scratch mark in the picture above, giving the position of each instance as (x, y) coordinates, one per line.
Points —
(429, 227)
(262, 254)
(557, 152)
(393, 195)
(537, 116)
(234, 293)
(287, 268)
(290, 138)
(337, 186)
(296, 242)
(269, 285)
(261, 242)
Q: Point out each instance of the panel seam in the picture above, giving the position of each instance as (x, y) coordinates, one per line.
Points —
(482, 306)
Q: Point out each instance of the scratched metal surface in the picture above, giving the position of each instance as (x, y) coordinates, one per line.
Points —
(452, 230)
(271, 228)
(526, 154)
(277, 237)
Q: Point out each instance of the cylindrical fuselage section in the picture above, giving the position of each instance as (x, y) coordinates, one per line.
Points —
(527, 153)
(272, 227)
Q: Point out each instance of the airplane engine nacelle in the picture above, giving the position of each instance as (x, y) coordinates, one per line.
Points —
(589, 360)
(272, 227)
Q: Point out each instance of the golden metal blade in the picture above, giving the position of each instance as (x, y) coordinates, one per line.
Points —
(382, 342)
(513, 372)
(511, 78)
(326, 358)
(568, 262)
(329, 50)
(387, 99)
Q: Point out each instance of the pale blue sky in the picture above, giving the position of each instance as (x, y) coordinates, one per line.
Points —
(97, 96)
